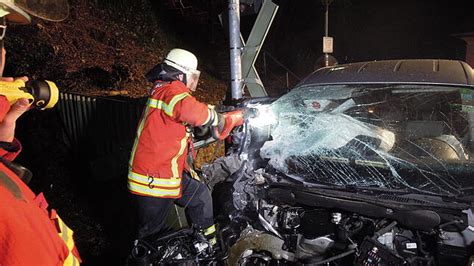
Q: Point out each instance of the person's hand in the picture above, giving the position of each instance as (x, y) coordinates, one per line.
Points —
(231, 120)
(8, 122)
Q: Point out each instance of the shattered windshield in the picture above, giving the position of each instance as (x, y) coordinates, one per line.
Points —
(405, 137)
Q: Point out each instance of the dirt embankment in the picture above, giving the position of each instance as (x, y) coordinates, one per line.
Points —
(98, 50)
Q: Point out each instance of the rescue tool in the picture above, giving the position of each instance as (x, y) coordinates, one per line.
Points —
(231, 120)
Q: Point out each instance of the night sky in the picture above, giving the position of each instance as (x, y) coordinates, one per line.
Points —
(369, 30)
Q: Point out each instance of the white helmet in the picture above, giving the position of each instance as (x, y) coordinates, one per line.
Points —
(182, 60)
(13, 13)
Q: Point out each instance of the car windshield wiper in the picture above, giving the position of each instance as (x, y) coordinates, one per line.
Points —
(365, 190)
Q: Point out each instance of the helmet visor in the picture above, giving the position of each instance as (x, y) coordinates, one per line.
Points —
(52, 10)
(193, 79)
(195, 74)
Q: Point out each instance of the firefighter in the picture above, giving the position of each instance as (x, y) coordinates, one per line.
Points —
(30, 232)
(160, 173)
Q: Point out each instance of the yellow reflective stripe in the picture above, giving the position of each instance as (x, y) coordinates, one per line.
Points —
(71, 260)
(67, 235)
(174, 161)
(157, 192)
(167, 108)
(155, 187)
(64, 232)
(176, 99)
(210, 230)
(194, 174)
(213, 241)
(162, 182)
(139, 132)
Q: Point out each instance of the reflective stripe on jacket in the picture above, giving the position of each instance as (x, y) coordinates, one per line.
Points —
(159, 152)
(67, 235)
(28, 231)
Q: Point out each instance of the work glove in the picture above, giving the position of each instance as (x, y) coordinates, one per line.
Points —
(227, 122)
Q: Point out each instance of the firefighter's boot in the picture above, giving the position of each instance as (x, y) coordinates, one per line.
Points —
(216, 252)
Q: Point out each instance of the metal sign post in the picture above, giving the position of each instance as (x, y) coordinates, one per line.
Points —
(244, 54)
(235, 50)
(327, 41)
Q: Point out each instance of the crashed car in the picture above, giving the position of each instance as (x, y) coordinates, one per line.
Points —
(360, 164)
(366, 163)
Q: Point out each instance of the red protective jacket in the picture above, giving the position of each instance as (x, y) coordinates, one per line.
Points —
(29, 233)
(159, 153)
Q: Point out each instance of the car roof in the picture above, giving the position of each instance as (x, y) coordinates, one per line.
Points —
(408, 71)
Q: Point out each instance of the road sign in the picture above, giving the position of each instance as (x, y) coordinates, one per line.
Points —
(327, 45)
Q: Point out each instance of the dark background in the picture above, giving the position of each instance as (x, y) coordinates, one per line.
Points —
(362, 30)
(370, 30)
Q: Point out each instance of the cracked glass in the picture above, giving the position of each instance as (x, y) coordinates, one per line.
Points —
(400, 137)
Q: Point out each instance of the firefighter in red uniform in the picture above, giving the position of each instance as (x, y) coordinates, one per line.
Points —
(30, 233)
(159, 173)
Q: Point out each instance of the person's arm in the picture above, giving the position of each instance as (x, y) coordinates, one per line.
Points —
(191, 111)
(197, 114)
